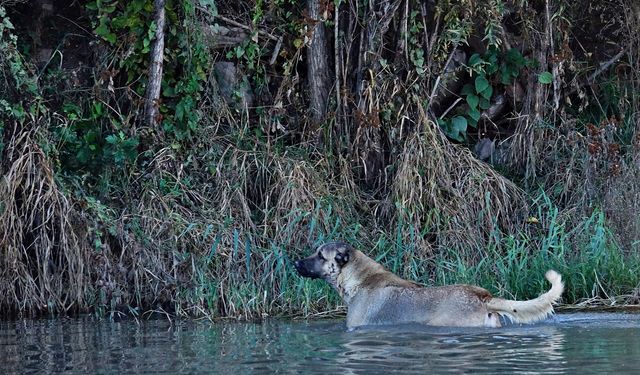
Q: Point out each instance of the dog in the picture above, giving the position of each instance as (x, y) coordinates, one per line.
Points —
(376, 296)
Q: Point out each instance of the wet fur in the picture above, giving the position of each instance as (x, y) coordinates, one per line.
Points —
(374, 295)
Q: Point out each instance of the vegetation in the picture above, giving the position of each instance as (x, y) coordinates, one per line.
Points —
(476, 141)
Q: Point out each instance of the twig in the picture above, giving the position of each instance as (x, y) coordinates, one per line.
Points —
(603, 68)
(276, 51)
(238, 24)
(606, 65)
(444, 71)
(450, 108)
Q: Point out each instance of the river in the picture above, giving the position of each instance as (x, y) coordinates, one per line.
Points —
(599, 343)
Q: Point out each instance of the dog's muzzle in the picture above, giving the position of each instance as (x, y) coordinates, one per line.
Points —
(303, 269)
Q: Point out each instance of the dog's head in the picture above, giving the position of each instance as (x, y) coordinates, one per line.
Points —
(327, 261)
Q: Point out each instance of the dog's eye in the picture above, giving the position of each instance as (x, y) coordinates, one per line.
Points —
(320, 256)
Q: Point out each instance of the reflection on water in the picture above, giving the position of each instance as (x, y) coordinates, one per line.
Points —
(594, 343)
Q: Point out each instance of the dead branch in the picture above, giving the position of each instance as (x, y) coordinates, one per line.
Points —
(237, 24)
(603, 68)
(225, 37)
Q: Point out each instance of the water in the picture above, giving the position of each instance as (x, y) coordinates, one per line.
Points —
(566, 344)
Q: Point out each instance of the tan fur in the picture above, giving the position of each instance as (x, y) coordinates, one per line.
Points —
(374, 295)
(532, 310)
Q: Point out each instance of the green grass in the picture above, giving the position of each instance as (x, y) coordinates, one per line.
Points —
(512, 266)
(591, 263)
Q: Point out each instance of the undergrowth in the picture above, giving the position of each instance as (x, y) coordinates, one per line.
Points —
(203, 214)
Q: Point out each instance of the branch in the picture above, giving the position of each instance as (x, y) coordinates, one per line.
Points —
(237, 24)
(603, 68)
(155, 67)
(276, 39)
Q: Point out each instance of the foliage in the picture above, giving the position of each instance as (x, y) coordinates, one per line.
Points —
(203, 215)
(128, 27)
(16, 75)
(490, 73)
(17, 84)
(88, 142)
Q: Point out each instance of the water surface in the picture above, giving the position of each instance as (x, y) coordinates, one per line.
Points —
(601, 343)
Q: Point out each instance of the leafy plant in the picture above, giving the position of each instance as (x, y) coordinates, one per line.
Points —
(489, 72)
(129, 27)
(86, 141)
(416, 52)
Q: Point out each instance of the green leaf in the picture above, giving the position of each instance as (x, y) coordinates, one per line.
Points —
(102, 28)
(487, 92)
(449, 130)
(467, 89)
(484, 103)
(473, 123)
(111, 38)
(459, 124)
(481, 84)
(97, 110)
(545, 78)
(492, 57)
(505, 75)
(475, 59)
(108, 9)
(515, 58)
(474, 114)
(472, 100)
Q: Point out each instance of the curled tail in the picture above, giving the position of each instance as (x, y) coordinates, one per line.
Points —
(532, 310)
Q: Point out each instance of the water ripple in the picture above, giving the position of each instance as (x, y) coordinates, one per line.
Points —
(565, 344)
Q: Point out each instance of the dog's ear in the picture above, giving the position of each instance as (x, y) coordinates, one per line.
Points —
(343, 254)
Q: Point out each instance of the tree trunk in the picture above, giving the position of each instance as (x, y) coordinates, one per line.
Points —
(155, 67)
(317, 64)
(368, 142)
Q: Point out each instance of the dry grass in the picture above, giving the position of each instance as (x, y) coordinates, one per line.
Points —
(454, 197)
(44, 259)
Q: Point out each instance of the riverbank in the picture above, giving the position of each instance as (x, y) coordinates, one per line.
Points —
(469, 156)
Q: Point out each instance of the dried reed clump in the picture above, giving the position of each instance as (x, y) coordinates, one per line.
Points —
(454, 197)
(215, 247)
(295, 192)
(304, 196)
(44, 262)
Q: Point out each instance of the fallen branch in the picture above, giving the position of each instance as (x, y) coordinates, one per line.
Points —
(267, 35)
(238, 24)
